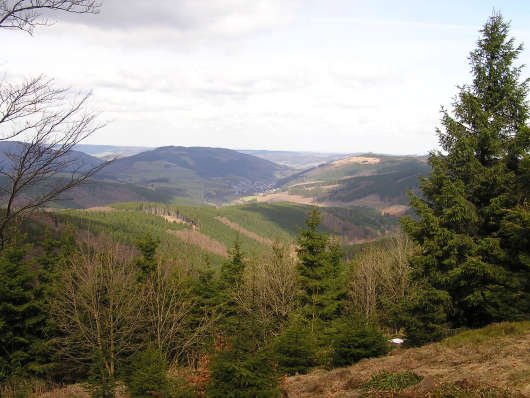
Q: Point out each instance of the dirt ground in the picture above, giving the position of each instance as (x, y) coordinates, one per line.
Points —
(503, 363)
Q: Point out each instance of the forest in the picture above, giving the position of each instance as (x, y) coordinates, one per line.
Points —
(146, 299)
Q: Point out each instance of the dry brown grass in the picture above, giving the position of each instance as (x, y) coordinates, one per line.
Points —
(244, 231)
(75, 391)
(195, 238)
(71, 391)
(356, 159)
(502, 363)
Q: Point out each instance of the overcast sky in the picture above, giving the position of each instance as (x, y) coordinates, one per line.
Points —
(315, 75)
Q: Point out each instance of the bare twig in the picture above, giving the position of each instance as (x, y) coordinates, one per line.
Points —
(27, 14)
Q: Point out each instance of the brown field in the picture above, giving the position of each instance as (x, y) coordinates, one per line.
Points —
(355, 159)
(244, 231)
(177, 220)
(499, 362)
(195, 238)
(395, 210)
(285, 197)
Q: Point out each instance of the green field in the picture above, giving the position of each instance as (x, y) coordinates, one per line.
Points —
(127, 222)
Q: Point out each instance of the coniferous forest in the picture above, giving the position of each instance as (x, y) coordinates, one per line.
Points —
(155, 300)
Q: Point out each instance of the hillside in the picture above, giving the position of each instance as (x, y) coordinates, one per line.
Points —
(296, 159)
(489, 362)
(110, 151)
(376, 181)
(209, 231)
(203, 174)
(75, 160)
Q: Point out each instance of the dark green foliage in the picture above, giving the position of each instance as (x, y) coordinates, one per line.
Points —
(294, 349)
(391, 381)
(146, 374)
(22, 315)
(147, 263)
(473, 222)
(320, 263)
(232, 269)
(354, 341)
(100, 383)
(236, 374)
(424, 315)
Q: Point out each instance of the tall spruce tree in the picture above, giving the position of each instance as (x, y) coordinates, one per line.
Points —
(473, 217)
(319, 267)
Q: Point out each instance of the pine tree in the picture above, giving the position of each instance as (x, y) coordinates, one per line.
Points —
(147, 263)
(473, 218)
(22, 315)
(320, 261)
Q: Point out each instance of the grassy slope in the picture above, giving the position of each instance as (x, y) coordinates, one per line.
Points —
(129, 221)
(388, 181)
(476, 363)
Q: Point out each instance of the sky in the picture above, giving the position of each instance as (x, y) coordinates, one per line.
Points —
(310, 75)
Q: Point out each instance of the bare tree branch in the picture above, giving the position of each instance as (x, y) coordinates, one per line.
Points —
(27, 14)
(99, 307)
(36, 171)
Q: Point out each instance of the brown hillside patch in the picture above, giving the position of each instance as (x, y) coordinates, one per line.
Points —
(356, 159)
(195, 238)
(177, 220)
(285, 197)
(244, 231)
(502, 362)
(395, 210)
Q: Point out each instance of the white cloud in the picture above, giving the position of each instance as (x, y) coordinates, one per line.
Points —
(253, 73)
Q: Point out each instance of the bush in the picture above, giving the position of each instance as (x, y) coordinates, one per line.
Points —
(293, 350)
(354, 342)
(146, 374)
(425, 316)
(235, 374)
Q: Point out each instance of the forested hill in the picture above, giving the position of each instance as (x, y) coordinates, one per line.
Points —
(211, 174)
(372, 180)
(10, 151)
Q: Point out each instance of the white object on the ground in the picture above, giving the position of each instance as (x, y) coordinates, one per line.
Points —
(396, 341)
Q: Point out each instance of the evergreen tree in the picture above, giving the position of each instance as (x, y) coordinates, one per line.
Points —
(22, 316)
(319, 267)
(147, 263)
(473, 218)
(232, 269)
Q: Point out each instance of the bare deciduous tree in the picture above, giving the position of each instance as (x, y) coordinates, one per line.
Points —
(98, 308)
(380, 275)
(168, 306)
(48, 121)
(26, 14)
(269, 289)
(41, 167)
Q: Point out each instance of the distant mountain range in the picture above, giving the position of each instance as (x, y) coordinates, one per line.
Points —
(205, 174)
(108, 152)
(76, 160)
(294, 159)
(220, 176)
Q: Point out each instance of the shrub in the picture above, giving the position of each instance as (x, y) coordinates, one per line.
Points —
(294, 351)
(354, 342)
(235, 374)
(425, 316)
(146, 374)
